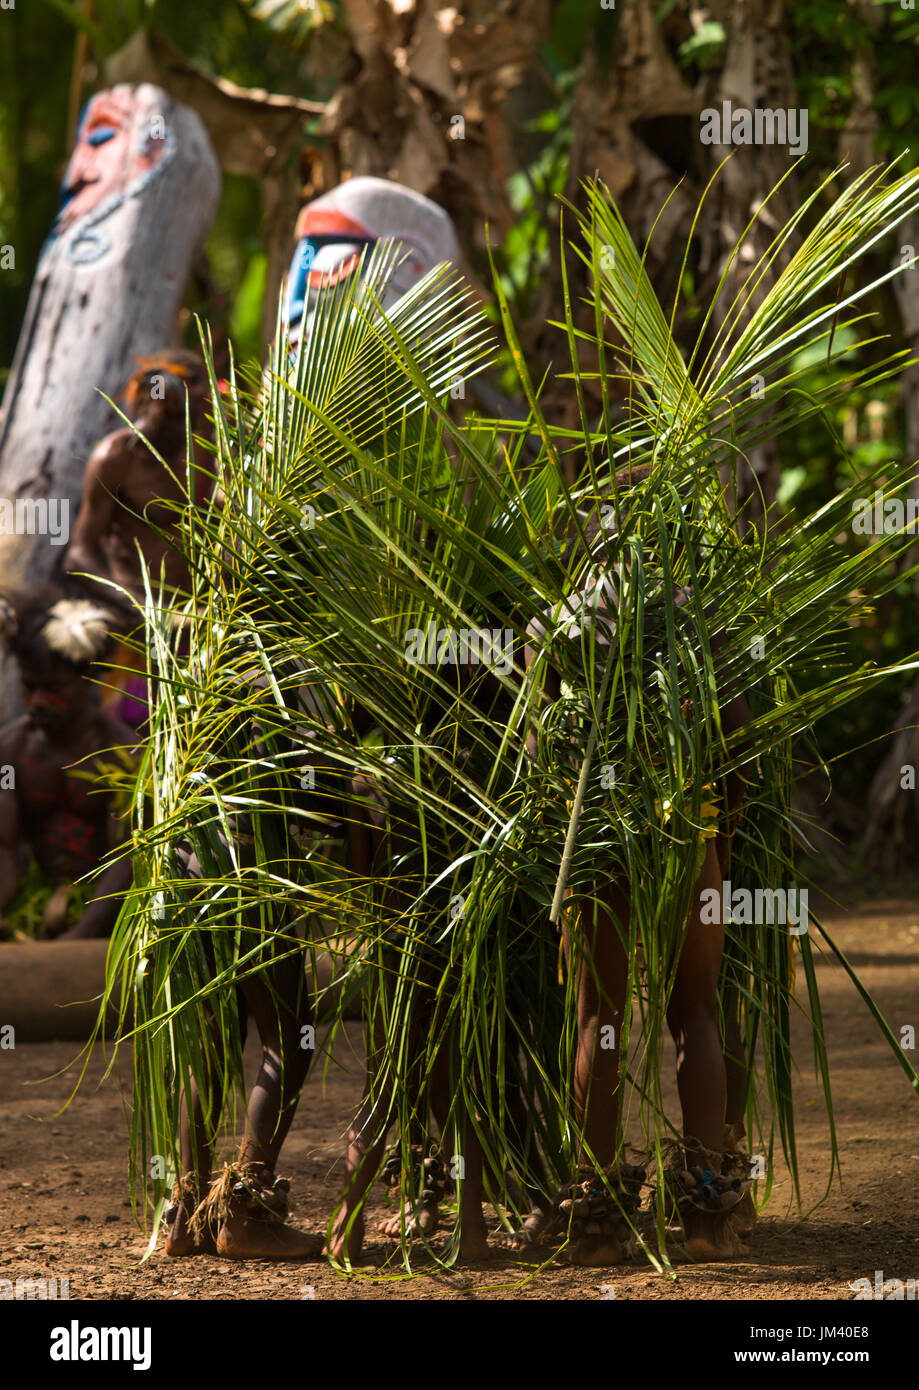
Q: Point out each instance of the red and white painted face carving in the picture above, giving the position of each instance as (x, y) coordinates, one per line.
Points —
(107, 158)
(334, 231)
(329, 246)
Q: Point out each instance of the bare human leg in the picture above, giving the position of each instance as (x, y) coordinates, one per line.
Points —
(197, 1160)
(370, 842)
(538, 1216)
(596, 955)
(366, 1147)
(279, 1006)
(195, 1148)
(467, 1166)
(701, 1071)
(418, 1214)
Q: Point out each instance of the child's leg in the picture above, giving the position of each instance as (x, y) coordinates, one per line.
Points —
(195, 1150)
(735, 1069)
(375, 835)
(366, 1146)
(597, 958)
(701, 1075)
(734, 1056)
(418, 1213)
(473, 1231)
(280, 1006)
(470, 1179)
(745, 1215)
(423, 1215)
(196, 1157)
(534, 1191)
(197, 1160)
(693, 1020)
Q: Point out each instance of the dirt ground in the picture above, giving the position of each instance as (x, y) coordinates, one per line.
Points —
(64, 1207)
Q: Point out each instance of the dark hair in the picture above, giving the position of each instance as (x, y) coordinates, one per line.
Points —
(27, 613)
(180, 369)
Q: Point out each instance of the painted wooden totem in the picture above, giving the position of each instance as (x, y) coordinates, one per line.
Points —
(334, 229)
(137, 200)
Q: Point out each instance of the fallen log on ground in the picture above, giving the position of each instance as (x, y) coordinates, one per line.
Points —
(50, 990)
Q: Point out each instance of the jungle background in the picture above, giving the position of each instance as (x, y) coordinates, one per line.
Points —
(494, 108)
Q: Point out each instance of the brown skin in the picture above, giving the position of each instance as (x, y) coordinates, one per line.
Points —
(600, 969)
(365, 1153)
(704, 1071)
(127, 493)
(277, 1003)
(68, 824)
(371, 847)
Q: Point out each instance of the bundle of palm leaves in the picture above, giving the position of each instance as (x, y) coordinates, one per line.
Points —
(366, 584)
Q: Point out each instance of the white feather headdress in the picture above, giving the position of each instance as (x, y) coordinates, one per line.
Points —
(77, 629)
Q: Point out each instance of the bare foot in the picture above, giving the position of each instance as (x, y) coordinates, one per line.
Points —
(745, 1216)
(424, 1219)
(182, 1241)
(599, 1251)
(345, 1243)
(711, 1236)
(242, 1239)
(532, 1232)
(474, 1246)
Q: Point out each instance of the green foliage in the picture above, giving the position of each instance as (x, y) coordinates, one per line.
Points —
(357, 513)
(533, 191)
(107, 23)
(34, 77)
(24, 914)
(825, 38)
(296, 20)
(705, 46)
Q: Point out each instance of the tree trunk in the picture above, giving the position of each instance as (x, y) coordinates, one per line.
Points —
(144, 186)
(422, 97)
(427, 104)
(756, 74)
(893, 808)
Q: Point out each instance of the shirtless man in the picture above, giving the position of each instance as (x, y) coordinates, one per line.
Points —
(67, 822)
(130, 499)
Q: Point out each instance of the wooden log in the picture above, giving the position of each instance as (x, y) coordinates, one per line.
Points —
(50, 990)
(138, 198)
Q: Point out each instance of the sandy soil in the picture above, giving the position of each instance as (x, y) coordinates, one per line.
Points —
(64, 1207)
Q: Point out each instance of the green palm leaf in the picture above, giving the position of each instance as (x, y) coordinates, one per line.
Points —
(358, 516)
